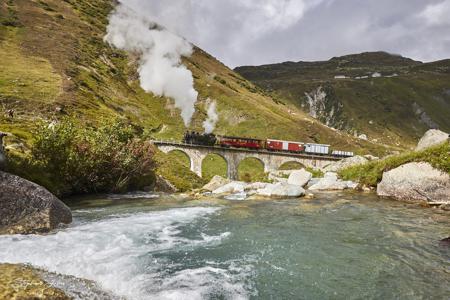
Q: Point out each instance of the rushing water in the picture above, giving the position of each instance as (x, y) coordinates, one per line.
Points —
(336, 246)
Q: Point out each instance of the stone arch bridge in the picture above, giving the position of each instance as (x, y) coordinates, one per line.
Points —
(272, 161)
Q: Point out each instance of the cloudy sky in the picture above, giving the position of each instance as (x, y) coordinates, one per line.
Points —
(253, 32)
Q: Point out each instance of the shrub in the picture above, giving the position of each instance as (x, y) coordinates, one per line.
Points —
(109, 158)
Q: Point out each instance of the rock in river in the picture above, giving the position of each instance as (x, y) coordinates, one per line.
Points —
(281, 190)
(230, 188)
(416, 182)
(432, 138)
(26, 207)
(331, 182)
(299, 177)
(215, 183)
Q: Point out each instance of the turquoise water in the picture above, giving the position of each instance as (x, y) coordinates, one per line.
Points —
(336, 246)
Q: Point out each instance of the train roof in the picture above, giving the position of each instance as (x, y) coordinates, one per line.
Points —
(274, 140)
(312, 144)
(239, 138)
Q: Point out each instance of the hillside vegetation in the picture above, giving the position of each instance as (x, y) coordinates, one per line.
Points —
(57, 66)
(370, 174)
(389, 98)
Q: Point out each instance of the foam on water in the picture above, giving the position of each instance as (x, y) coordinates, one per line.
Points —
(119, 253)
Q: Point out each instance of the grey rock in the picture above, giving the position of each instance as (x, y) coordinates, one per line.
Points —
(345, 163)
(432, 137)
(215, 183)
(26, 207)
(280, 190)
(415, 182)
(300, 177)
(330, 182)
(230, 188)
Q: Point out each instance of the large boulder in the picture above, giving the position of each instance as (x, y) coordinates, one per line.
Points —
(432, 138)
(299, 177)
(26, 207)
(230, 188)
(215, 183)
(330, 182)
(345, 163)
(415, 182)
(280, 190)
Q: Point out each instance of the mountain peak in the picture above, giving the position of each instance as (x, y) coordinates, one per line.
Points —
(379, 58)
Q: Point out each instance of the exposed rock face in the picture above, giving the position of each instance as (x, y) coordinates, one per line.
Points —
(345, 163)
(432, 138)
(363, 137)
(324, 106)
(331, 182)
(300, 177)
(26, 207)
(415, 182)
(423, 116)
(22, 282)
(215, 183)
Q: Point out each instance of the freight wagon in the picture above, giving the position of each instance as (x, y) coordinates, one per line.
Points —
(317, 149)
(342, 153)
(277, 145)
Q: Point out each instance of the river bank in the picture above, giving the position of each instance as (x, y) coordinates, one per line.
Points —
(337, 245)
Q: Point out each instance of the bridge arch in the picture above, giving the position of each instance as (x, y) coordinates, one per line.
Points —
(250, 168)
(214, 164)
(182, 156)
(291, 165)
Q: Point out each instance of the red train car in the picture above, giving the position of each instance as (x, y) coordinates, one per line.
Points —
(236, 142)
(277, 145)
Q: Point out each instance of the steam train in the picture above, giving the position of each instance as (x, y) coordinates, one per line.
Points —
(196, 138)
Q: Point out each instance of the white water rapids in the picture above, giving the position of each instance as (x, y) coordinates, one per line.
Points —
(118, 254)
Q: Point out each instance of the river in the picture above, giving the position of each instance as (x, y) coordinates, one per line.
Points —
(335, 246)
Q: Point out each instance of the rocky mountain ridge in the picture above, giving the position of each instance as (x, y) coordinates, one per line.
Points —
(385, 97)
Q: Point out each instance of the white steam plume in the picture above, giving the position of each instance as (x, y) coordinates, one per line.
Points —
(161, 71)
(210, 123)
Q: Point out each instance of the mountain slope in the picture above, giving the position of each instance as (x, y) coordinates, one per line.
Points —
(58, 64)
(390, 98)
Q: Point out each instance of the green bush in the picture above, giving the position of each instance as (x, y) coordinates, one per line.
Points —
(111, 157)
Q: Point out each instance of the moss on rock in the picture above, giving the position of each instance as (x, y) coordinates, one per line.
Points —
(23, 282)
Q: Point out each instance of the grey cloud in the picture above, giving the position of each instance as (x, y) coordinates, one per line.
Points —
(245, 32)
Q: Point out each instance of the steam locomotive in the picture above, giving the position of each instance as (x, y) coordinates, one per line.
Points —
(196, 138)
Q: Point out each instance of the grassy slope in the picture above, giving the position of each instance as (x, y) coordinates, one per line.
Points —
(58, 64)
(380, 107)
(371, 174)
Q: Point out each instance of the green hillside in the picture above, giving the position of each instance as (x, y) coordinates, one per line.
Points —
(389, 98)
(57, 64)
